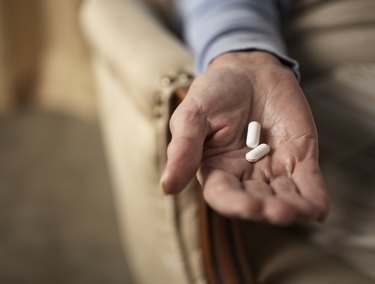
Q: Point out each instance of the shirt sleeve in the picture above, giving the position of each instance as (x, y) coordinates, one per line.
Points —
(214, 27)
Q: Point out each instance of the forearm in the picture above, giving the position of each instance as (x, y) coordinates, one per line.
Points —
(214, 27)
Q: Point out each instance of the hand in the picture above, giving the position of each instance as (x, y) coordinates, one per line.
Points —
(208, 138)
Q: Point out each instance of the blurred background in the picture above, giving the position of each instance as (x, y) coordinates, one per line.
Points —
(57, 219)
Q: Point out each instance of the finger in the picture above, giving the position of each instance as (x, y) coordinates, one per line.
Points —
(258, 188)
(286, 190)
(310, 183)
(275, 211)
(261, 170)
(184, 154)
(224, 193)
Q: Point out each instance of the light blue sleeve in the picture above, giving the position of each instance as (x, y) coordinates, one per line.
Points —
(214, 27)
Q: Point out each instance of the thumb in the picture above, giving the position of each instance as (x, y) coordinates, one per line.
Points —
(189, 129)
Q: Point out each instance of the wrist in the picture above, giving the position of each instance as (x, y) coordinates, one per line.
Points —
(250, 58)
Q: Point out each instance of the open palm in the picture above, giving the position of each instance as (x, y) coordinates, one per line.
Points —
(209, 132)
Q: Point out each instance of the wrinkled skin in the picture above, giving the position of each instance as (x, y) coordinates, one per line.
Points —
(208, 139)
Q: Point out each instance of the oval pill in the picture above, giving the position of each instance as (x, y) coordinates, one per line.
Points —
(253, 134)
(257, 153)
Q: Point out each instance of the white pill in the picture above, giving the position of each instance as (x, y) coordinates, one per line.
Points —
(253, 134)
(257, 153)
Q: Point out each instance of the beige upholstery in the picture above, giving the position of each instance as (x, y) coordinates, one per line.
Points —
(133, 58)
(138, 63)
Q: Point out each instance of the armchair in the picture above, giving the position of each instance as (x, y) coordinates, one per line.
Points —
(142, 70)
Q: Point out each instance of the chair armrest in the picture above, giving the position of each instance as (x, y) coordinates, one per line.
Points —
(138, 63)
(139, 50)
(148, 60)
